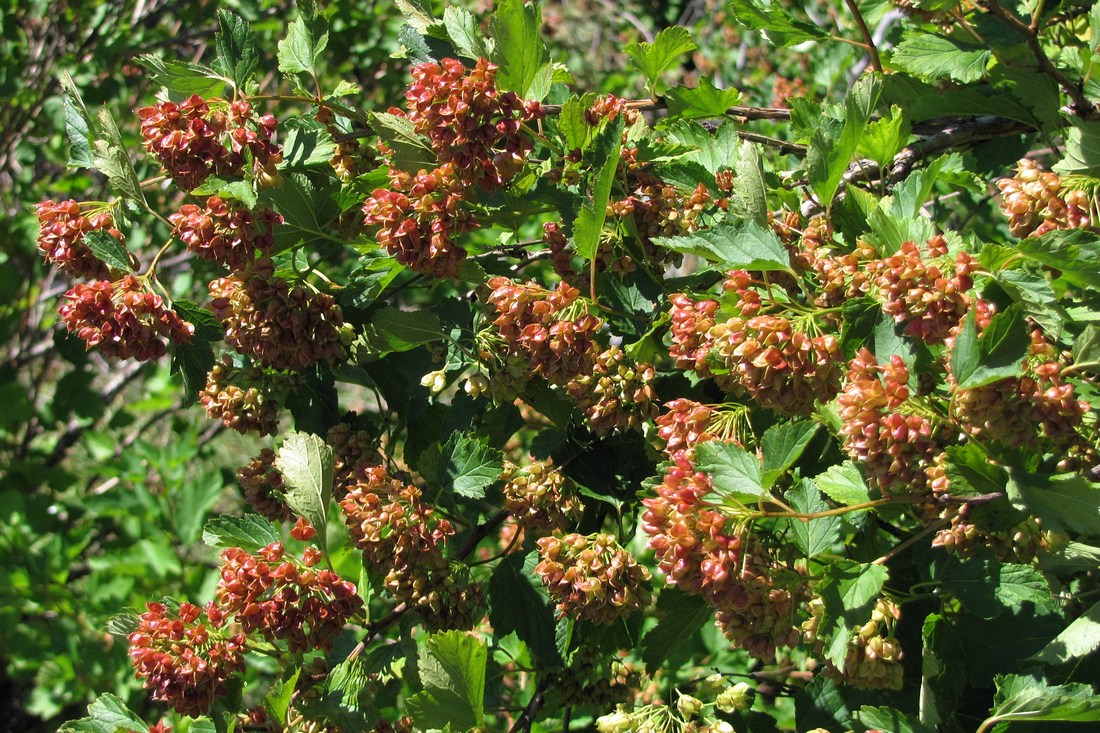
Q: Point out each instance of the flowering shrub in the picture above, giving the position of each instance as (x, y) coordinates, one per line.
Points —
(624, 413)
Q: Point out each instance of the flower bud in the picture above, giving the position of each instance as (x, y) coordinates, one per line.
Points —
(735, 699)
(689, 706)
(436, 382)
(616, 722)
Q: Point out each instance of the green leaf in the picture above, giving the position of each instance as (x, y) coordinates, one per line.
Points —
(883, 139)
(1082, 142)
(78, 124)
(1035, 295)
(702, 102)
(112, 252)
(888, 720)
(249, 532)
(417, 13)
(812, 536)
(965, 356)
(236, 44)
(306, 39)
(935, 57)
(1065, 502)
(207, 326)
(523, 64)
(1080, 639)
(278, 698)
(681, 616)
(575, 131)
(391, 330)
(465, 33)
(997, 354)
(971, 473)
(1086, 349)
(306, 145)
(830, 153)
(747, 246)
(108, 714)
(518, 602)
(778, 26)
(1075, 253)
(849, 591)
(590, 221)
(193, 361)
(306, 208)
(782, 446)
(653, 59)
(844, 484)
(715, 151)
(411, 152)
(347, 699)
(1027, 699)
(112, 160)
(243, 191)
(734, 472)
(305, 461)
(941, 683)
(181, 78)
(750, 196)
(452, 672)
(470, 465)
(987, 588)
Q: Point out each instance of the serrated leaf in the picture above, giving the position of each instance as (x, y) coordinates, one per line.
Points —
(782, 446)
(1082, 142)
(243, 191)
(812, 536)
(207, 326)
(844, 484)
(411, 152)
(417, 13)
(778, 26)
(1075, 253)
(470, 465)
(1035, 295)
(965, 354)
(830, 151)
(889, 720)
(714, 151)
(518, 602)
(681, 616)
(935, 57)
(1023, 698)
(306, 39)
(971, 472)
(701, 102)
(750, 196)
(884, 138)
(277, 700)
(108, 714)
(1002, 348)
(593, 214)
(307, 209)
(306, 463)
(193, 361)
(79, 128)
(522, 62)
(849, 591)
(734, 472)
(110, 250)
(1080, 639)
(391, 330)
(347, 699)
(1065, 502)
(121, 625)
(465, 33)
(307, 146)
(1086, 349)
(181, 78)
(941, 683)
(574, 128)
(249, 532)
(747, 246)
(112, 160)
(653, 59)
(236, 45)
(987, 588)
(452, 672)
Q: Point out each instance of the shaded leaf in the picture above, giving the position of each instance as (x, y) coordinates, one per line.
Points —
(111, 251)
(518, 602)
(1065, 502)
(391, 329)
(470, 465)
(411, 152)
(812, 536)
(1024, 698)
(681, 616)
(249, 532)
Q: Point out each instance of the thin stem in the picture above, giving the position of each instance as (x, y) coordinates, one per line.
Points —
(833, 512)
(527, 719)
(934, 527)
(156, 258)
(872, 50)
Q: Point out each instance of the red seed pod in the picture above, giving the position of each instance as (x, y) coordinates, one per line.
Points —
(593, 577)
(183, 660)
(691, 324)
(62, 228)
(263, 487)
(244, 398)
(225, 233)
(685, 425)
(618, 395)
(538, 497)
(1036, 202)
(123, 319)
(280, 326)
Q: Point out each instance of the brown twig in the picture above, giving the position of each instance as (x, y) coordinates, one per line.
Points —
(527, 718)
(868, 38)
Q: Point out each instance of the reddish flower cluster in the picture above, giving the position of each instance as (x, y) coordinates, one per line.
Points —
(123, 319)
(919, 294)
(183, 659)
(894, 444)
(691, 322)
(593, 577)
(418, 218)
(1021, 411)
(608, 108)
(352, 451)
(685, 425)
(469, 122)
(188, 139)
(533, 322)
(243, 398)
(284, 599)
(696, 553)
(400, 536)
(874, 656)
(659, 209)
(1035, 202)
(537, 498)
(62, 228)
(618, 395)
(263, 487)
(225, 233)
(279, 326)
